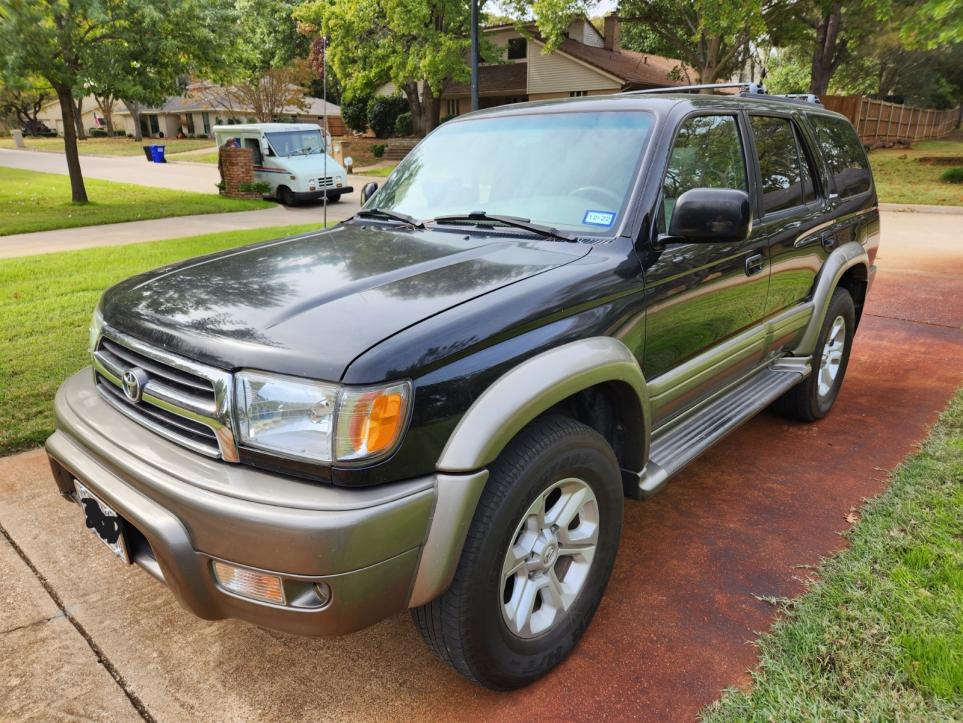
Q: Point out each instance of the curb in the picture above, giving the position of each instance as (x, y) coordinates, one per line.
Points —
(920, 208)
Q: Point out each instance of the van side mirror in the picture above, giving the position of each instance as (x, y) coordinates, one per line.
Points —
(367, 191)
(710, 215)
(265, 148)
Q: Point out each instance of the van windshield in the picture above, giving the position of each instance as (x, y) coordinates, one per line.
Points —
(570, 170)
(296, 143)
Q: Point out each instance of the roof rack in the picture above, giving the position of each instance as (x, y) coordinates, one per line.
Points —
(748, 90)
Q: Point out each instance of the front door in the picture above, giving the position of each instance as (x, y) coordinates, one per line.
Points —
(702, 300)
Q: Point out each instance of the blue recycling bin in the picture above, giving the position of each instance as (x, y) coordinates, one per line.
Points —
(157, 154)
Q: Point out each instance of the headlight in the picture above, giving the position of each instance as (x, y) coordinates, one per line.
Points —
(96, 327)
(318, 421)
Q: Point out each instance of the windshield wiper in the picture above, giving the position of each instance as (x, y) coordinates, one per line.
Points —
(513, 221)
(391, 215)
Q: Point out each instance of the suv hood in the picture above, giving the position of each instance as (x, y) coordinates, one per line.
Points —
(309, 305)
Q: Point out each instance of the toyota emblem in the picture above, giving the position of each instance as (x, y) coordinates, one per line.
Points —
(134, 381)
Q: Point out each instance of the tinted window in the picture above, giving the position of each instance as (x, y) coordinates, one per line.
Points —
(707, 154)
(807, 168)
(516, 48)
(779, 168)
(844, 153)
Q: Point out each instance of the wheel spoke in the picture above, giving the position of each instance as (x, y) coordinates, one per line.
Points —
(519, 608)
(567, 507)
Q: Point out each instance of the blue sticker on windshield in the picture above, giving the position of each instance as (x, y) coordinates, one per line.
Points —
(599, 218)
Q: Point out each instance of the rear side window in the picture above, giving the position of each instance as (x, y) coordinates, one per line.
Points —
(779, 163)
(844, 154)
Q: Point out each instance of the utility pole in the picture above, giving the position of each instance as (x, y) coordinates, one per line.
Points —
(474, 54)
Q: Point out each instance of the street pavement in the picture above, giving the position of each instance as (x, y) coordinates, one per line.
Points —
(81, 635)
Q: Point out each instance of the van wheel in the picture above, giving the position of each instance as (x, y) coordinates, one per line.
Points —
(537, 558)
(285, 196)
(334, 197)
(812, 398)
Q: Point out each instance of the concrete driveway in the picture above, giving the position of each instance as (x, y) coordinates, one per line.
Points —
(81, 635)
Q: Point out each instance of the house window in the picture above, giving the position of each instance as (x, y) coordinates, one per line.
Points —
(577, 93)
(190, 124)
(206, 118)
(517, 48)
(452, 107)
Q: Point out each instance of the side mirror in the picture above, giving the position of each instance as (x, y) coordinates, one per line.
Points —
(265, 148)
(348, 163)
(367, 191)
(711, 215)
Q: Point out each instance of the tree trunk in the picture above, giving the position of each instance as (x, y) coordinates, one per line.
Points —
(415, 106)
(827, 52)
(78, 193)
(78, 110)
(106, 105)
(133, 108)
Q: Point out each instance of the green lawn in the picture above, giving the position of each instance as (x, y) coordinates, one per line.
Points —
(45, 307)
(31, 201)
(880, 635)
(901, 178)
(196, 157)
(378, 171)
(111, 146)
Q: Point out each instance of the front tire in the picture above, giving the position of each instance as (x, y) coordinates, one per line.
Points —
(285, 196)
(537, 558)
(812, 398)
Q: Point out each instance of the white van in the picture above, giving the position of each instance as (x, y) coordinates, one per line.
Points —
(292, 158)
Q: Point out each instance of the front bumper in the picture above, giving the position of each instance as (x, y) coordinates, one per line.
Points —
(187, 510)
(335, 193)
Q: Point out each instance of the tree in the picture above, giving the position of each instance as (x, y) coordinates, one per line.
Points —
(419, 47)
(277, 91)
(24, 98)
(354, 112)
(713, 38)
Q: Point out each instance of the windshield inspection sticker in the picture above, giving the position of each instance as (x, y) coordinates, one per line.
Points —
(599, 218)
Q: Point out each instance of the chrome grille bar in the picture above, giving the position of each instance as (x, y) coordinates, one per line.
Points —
(186, 402)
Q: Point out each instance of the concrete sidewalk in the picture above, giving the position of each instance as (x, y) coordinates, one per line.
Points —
(116, 234)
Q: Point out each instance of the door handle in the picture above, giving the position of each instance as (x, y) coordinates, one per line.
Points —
(755, 264)
(828, 239)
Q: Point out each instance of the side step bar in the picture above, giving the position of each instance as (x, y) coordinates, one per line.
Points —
(678, 444)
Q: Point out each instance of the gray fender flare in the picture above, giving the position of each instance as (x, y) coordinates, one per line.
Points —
(838, 263)
(492, 421)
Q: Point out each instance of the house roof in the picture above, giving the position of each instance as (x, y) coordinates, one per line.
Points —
(500, 79)
(214, 99)
(636, 69)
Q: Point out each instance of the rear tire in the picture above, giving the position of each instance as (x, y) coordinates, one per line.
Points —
(812, 398)
(526, 588)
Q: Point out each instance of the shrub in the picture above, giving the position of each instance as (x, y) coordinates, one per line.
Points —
(255, 187)
(952, 175)
(403, 124)
(383, 111)
(97, 133)
(354, 113)
(378, 149)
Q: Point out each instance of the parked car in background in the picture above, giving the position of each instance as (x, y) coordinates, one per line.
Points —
(292, 157)
(38, 128)
(440, 404)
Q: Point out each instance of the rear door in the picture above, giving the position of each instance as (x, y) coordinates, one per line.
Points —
(702, 299)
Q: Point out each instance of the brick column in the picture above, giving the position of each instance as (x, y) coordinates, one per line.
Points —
(237, 167)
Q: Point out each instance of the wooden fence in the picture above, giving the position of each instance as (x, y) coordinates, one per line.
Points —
(879, 122)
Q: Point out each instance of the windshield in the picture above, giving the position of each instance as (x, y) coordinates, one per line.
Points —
(296, 143)
(565, 170)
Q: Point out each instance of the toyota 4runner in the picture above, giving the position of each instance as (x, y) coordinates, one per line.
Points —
(441, 403)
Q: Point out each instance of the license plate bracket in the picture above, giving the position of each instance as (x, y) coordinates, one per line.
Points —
(103, 521)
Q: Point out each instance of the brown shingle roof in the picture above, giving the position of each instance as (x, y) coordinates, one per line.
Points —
(635, 69)
(504, 79)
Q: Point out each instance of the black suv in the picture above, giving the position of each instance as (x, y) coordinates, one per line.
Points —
(441, 403)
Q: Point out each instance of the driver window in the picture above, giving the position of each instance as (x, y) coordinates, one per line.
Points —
(707, 154)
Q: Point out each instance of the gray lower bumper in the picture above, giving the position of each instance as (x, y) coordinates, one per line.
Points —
(365, 543)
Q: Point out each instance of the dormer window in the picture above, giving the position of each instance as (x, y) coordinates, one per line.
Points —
(517, 48)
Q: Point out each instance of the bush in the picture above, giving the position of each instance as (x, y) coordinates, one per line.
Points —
(403, 124)
(354, 113)
(383, 111)
(96, 132)
(378, 149)
(952, 175)
(261, 187)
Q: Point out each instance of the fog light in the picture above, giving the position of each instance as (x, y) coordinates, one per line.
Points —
(249, 583)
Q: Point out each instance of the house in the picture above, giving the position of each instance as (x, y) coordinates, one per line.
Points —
(91, 114)
(588, 62)
(204, 105)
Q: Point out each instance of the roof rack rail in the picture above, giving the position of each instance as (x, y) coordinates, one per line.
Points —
(750, 88)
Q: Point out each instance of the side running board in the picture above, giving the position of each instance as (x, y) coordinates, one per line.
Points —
(678, 444)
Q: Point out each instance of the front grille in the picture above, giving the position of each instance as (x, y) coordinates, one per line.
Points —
(324, 182)
(185, 402)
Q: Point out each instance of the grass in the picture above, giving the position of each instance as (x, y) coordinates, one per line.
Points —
(32, 201)
(110, 146)
(45, 307)
(196, 157)
(901, 178)
(378, 171)
(879, 636)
